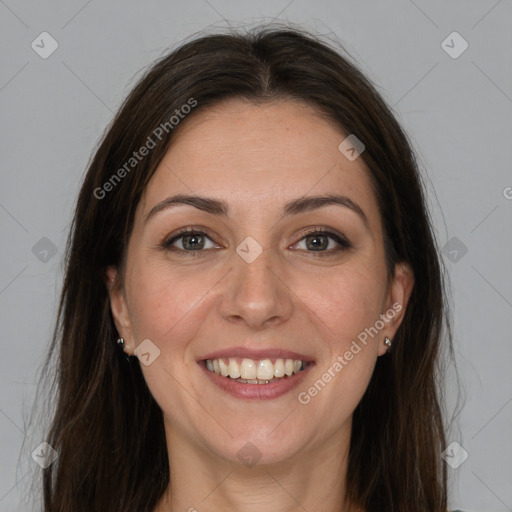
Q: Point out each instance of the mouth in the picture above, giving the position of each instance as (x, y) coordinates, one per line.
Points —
(256, 374)
(250, 371)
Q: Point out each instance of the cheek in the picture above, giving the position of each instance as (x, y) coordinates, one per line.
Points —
(345, 306)
(346, 301)
(165, 302)
(169, 308)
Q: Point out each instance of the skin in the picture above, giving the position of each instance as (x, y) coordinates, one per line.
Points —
(256, 158)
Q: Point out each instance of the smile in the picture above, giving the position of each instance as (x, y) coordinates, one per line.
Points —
(256, 374)
(251, 371)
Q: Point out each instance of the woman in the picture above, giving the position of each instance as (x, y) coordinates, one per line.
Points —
(253, 233)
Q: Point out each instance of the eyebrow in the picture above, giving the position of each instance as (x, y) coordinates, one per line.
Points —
(293, 207)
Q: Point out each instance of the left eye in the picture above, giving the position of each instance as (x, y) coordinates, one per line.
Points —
(318, 241)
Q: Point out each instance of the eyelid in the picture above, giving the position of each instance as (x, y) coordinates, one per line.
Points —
(321, 229)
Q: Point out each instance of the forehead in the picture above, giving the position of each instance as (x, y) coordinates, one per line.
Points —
(259, 156)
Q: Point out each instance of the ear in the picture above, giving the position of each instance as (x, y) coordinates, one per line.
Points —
(119, 308)
(397, 300)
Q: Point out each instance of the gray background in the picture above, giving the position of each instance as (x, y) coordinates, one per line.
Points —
(457, 111)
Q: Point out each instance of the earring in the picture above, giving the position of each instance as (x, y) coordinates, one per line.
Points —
(120, 342)
(387, 342)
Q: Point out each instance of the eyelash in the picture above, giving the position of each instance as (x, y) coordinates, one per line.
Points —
(344, 244)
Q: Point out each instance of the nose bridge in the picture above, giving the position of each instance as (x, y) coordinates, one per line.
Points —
(255, 292)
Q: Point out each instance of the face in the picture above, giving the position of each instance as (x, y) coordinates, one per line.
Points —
(263, 282)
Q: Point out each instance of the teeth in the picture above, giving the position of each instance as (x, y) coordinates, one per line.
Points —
(265, 370)
(255, 371)
(234, 369)
(224, 368)
(247, 369)
(254, 381)
(279, 368)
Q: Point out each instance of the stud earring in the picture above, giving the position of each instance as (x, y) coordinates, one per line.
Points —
(388, 343)
(124, 347)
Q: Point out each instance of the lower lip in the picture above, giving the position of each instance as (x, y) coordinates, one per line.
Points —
(257, 391)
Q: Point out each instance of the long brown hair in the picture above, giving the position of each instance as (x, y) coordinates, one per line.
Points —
(105, 425)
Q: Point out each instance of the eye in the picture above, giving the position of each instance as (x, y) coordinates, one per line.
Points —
(318, 240)
(188, 240)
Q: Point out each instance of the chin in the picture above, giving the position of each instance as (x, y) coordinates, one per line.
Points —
(258, 445)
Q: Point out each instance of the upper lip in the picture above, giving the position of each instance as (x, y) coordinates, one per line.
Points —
(256, 354)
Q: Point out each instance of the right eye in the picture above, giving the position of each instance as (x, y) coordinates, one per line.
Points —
(191, 241)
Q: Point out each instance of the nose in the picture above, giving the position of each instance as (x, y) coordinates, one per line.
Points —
(256, 293)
